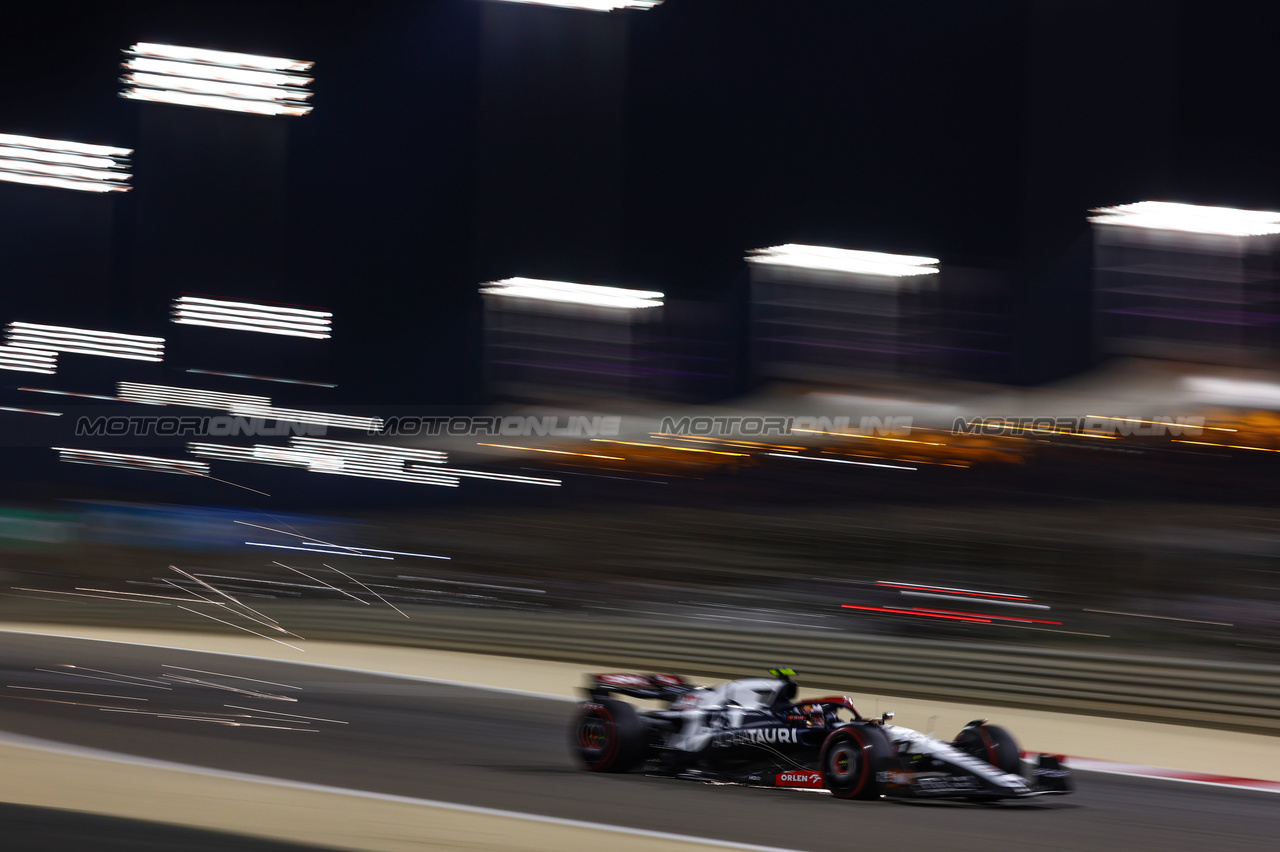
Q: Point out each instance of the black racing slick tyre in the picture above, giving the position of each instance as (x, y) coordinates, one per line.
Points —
(850, 761)
(993, 744)
(609, 736)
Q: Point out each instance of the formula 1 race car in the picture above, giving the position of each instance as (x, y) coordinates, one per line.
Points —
(753, 732)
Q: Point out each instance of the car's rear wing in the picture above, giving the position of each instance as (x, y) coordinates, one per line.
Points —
(657, 687)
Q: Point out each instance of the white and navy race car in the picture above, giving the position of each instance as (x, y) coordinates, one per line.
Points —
(754, 732)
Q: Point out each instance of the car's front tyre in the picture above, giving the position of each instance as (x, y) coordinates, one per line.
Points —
(993, 744)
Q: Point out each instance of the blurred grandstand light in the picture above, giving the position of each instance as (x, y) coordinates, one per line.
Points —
(216, 79)
(67, 165)
(250, 316)
(108, 344)
(352, 450)
(23, 360)
(577, 294)
(150, 464)
(368, 461)
(593, 5)
(317, 418)
(241, 405)
(193, 397)
(1235, 391)
(844, 260)
(1191, 218)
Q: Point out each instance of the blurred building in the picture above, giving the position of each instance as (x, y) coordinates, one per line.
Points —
(827, 314)
(580, 339)
(1186, 283)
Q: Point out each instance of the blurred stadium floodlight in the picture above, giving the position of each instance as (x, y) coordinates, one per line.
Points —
(132, 461)
(593, 5)
(845, 260)
(829, 314)
(1186, 282)
(240, 405)
(1192, 218)
(559, 336)
(67, 165)
(251, 316)
(26, 360)
(216, 79)
(577, 294)
(108, 344)
(1234, 392)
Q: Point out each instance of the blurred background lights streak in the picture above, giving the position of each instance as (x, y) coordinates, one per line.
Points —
(577, 294)
(261, 378)
(952, 590)
(338, 457)
(241, 405)
(951, 596)
(65, 165)
(318, 418)
(128, 461)
(828, 259)
(841, 461)
(1192, 218)
(556, 452)
(30, 411)
(193, 397)
(317, 550)
(1237, 391)
(344, 458)
(346, 549)
(216, 79)
(892, 611)
(23, 360)
(592, 5)
(352, 449)
(250, 316)
(108, 344)
(71, 393)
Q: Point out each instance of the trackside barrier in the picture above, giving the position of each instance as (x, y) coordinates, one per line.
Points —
(1223, 694)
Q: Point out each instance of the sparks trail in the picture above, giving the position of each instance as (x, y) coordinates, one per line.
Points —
(251, 693)
(323, 583)
(366, 588)
(230, 610)
(234, 677)
(245, 629)
(228, 597)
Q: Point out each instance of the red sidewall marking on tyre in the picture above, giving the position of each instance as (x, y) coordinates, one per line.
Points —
(609, 733)
(859, 746)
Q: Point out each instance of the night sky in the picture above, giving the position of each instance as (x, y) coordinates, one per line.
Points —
(647, 149)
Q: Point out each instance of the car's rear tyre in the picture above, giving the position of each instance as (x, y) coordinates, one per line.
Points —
(850, 760)
(993, 744)
(609, 736)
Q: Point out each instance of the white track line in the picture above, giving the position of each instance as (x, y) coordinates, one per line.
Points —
(1156, 773)
(20, 741)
